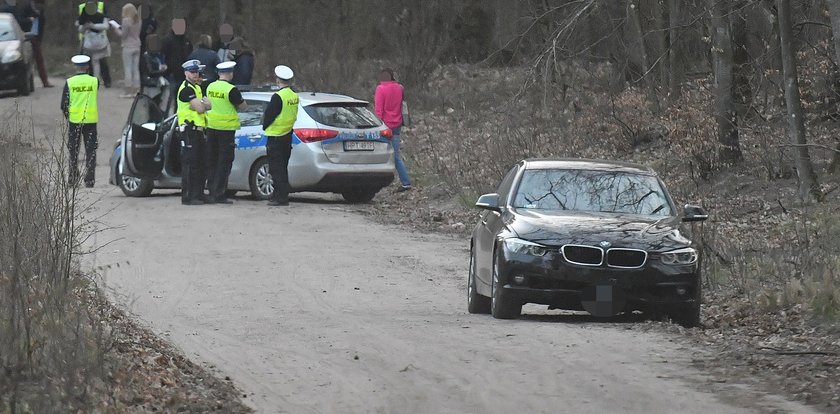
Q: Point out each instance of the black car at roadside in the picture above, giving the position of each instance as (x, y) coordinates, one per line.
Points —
(16, 62)
(599, 236)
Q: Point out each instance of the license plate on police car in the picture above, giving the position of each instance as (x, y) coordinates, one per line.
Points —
(358, 146)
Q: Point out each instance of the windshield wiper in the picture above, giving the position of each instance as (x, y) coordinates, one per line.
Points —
(658, 209)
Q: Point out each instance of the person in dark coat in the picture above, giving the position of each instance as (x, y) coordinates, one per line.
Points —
(10, 6)
(208, 58)
(244, 58)
(148, 26)
(35, 20)
(175, 48)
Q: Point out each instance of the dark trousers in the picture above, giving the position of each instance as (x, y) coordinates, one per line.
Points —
(105, 72)
(279, 149)
(192, 165)
(75, 134)
(220, 153)
(37, 51)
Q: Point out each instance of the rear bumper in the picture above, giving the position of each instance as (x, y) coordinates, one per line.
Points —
(337, 182)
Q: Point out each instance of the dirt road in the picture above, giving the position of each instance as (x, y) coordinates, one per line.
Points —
(316, 309)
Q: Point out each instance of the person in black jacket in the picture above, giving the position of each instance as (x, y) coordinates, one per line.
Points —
(148, 26)
(208, 58)
(35, 19)
(153, 68)
(10, 6)
(175, 48)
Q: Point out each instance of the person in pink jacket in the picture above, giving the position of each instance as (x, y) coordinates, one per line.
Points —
(387, 104)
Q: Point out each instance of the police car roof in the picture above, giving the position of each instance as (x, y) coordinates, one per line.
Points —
(306, 98)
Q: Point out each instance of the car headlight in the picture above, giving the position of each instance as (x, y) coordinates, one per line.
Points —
(685, 256)
(10, 56)
(520, 246)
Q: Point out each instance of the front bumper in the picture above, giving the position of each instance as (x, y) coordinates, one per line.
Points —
(550, 280)
(11, 74)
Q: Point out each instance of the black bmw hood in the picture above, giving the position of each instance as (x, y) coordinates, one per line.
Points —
(556, 228)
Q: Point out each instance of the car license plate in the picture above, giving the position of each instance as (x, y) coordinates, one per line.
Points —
(358, 146)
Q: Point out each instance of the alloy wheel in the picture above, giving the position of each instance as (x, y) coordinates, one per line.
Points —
(264, 183)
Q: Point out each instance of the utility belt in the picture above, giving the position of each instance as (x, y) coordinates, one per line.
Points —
(191, 125)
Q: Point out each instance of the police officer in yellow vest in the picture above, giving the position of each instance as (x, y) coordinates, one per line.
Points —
(78, 103)
(192, 110)
(222, 123)
(278, 120)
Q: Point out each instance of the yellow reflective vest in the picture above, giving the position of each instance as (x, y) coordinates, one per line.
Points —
(223, 115)
(82, 90)
(187, 114)
(284, 122)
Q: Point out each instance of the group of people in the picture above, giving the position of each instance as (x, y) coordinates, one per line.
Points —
(207, 106)
(32, 18)
(209, 118)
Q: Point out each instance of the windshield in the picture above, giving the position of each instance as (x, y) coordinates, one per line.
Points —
(592, 191)
(344, 115)
(7, 32)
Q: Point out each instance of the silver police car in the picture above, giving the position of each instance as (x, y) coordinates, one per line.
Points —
(339, 146)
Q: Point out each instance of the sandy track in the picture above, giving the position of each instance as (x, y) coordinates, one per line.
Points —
(316, 309)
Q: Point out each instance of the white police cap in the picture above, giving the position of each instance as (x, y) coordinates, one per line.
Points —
(284, 72)
(192, 65)
(80, 60)
(225, 67)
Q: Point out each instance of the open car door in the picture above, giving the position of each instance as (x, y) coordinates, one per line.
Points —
(143, 139)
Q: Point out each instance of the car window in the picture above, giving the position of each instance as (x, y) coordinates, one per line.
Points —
(592, 191)
(343, 115)
(7, 31)
(145, 111)
(253, 114)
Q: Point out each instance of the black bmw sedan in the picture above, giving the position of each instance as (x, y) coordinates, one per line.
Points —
(599, 236)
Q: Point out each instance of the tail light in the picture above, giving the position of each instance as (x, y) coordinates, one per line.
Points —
(315, 134)
(387, 133)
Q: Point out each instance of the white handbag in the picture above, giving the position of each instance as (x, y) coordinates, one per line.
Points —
(95, 41)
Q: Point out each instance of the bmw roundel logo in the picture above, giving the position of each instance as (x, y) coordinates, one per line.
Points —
(605, 244)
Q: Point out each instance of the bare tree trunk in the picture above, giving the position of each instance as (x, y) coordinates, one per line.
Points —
(743, 89)
(834, 12)
(809, 189)
(222, 12)
(660, 16)
(641, 50)
(674, 56)
(724, 69)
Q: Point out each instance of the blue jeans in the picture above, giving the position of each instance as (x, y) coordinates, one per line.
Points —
(401, 170)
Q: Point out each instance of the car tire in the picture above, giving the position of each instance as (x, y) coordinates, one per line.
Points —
(359, 196)
(23, 85)
(135, 187)
(500, 306)
(260, 180)
(687, 316)
(476, 302)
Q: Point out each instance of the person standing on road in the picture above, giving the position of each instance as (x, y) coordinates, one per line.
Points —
(192, 109)
(278, 120)
(78, 103)
(89, 11)
(388, 103)
(36, 18)
(222, 123)
(94, 29)
(154, 84)
(208, 58)
(129, 32)
(175, 48)
(243, 55)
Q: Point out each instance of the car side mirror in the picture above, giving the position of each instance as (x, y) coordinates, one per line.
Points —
(489, 202)
(694, 214)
